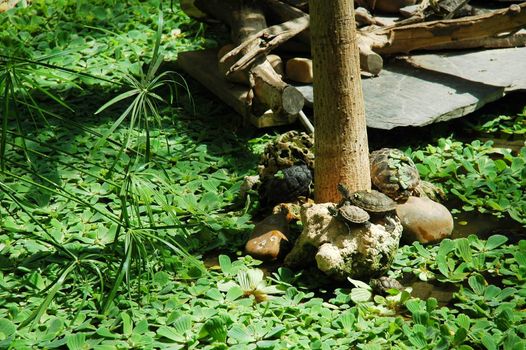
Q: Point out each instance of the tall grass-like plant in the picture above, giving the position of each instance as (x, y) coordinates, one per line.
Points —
(143, 111)
(135, 189)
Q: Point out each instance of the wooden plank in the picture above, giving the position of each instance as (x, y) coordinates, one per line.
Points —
(406, 96)
(202, 66)
(500, 67)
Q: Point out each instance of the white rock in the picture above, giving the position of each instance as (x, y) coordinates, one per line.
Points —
(363, 250)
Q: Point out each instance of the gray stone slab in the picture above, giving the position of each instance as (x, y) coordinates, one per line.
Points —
(403, 95)
(499, 67)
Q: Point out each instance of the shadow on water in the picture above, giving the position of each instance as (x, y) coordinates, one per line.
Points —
(485, 225)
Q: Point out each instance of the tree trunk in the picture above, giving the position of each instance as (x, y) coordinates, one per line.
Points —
(341, 148)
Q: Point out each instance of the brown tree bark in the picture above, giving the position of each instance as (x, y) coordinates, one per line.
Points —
(341, 146)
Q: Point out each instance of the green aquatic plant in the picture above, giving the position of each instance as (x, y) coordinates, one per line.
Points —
(482, 177)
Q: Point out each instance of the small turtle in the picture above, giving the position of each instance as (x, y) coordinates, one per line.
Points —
(382, 285)
(349, 214)
(394, 173)
(286, 185)
(372, 201)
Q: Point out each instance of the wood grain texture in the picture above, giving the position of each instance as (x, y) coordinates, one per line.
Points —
(341, 148)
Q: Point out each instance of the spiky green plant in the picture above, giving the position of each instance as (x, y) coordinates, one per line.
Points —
(143, 111)
(136, 190)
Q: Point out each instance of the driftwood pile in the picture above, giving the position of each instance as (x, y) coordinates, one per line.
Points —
(259, 27)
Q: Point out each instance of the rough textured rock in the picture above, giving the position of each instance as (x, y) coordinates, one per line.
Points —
(424, 220)
(288, 149)
(268, 240)
(339, 251)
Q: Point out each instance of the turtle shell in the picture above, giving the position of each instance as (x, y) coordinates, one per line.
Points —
(393, 173)
(286, 186)
(383, 284)
(352, 213)
(372, 201)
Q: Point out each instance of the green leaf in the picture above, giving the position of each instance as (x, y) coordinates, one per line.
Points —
(477, 284)
(431, 304)
(127, 326)
(234, 293)
(464, 249)
(106, 333)
(504, 320)
(216, 327)
(49, 297)
(275, 332)
(513, 342)
(141, 327)
(415, 305)
(463, 321)
(418, 340)
(162, 278)
(460, 335)
(495, 241)
(170, 333)
(359, 284)
(361, 295)
(76, 341)
(7, 328)
(240, 334)
(421, 317)
(226, 264)
(183, 324)
(488, 341)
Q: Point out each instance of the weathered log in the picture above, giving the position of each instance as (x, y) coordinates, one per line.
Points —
(404, 39)
(495, 42)
(245, 18)
(369, 61)
(263, 42)
(201, 66)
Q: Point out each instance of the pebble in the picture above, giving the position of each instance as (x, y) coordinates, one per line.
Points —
(268, 240)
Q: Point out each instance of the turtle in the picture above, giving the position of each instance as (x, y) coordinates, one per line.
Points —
(349, 214)
(286, 185)
(381, 285)
(372, 201)
(394, 173)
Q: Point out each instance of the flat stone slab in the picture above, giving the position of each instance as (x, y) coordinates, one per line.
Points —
(403, 95)
(498, 67)
(422, 89)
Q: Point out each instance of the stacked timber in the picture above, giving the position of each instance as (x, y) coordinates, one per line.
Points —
(256, 82)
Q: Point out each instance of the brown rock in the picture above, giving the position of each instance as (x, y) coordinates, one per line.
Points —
(300, 70)
(268, 240)
(424, 220)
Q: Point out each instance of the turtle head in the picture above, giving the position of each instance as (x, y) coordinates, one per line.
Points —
(344, 191)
